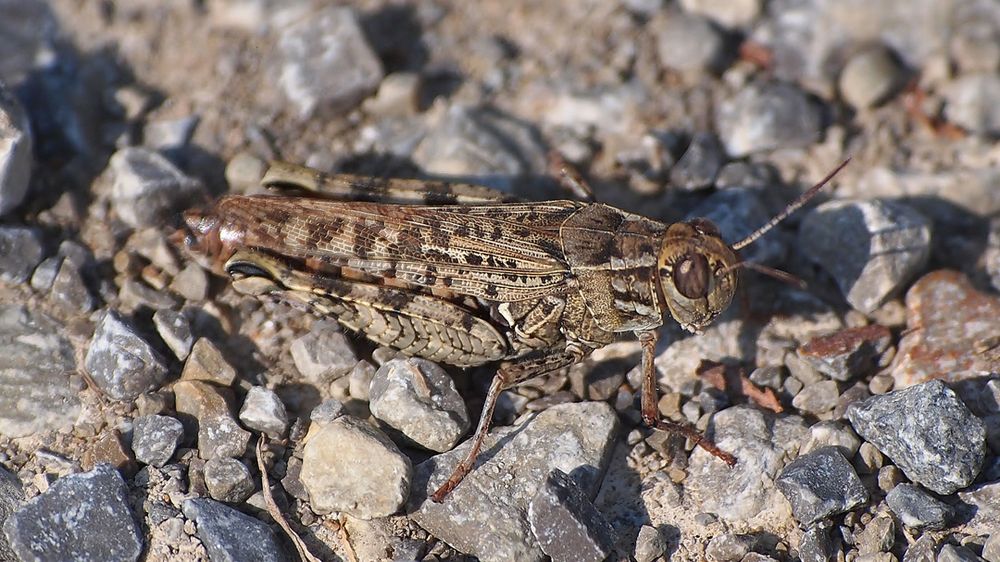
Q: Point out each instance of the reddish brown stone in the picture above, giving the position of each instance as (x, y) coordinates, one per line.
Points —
(949, 325)
(848, 353)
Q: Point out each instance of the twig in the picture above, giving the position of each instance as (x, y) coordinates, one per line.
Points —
(275, 511)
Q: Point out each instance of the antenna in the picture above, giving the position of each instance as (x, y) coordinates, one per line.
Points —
(791, 208)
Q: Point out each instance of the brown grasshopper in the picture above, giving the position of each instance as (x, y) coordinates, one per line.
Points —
(474, 278)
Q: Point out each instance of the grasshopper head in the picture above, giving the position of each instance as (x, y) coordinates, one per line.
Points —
(698, 273)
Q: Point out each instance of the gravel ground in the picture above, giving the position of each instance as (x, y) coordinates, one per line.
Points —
(141, 396)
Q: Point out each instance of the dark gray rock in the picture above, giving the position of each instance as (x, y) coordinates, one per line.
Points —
(871, 248)
(175, 330)
(767, 116)
(418, 399)
(917, 509)
(45, 273)
(699, 165)
(232, 536)
(565, 522)
(82, 517)
(326, 63)
(35, 374)
(11, 496)
(121, 361)
(264, 411)
(147, 188)
(927, 432)
(69, 289)
(820, 484)
(15, 151)
(21, 251)
(228, 480)
(486, 515)
(155, 438)
(816, 545)
(650, 544)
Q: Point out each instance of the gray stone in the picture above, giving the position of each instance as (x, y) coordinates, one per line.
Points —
(360, 380)
(565, 522)
(147, 188)
(204, 408)
(326, 62)
(15, 151)
(700, 164)
(835, 434)
(992, 254)
(975, 47)
(136, 296)
(917, 509)
(228, 480)
(45, 273)
(820, 484)
(762, 442)
(29, 29)
(36, 391)
(11, 496)
(84, 517)
(927, 432)
(482, 143)
(970, 103)
(817, 398)
(486, 515)
(417, 398)
(20, 252)
(69, 289)
(264, 411)
(923, 549)
(323, 354)
(155, 438)
(650, 544)
(764, 117)
(953, 553)
(729, 13)
(190, 283)
(980, 508)
(816, 545)
(870, 77)
(991, 549)
(121, 362)
(688, 43)
(231, 536)
(327, 411)
(728, 547)
(739, 211)
(871, 248)
(175, 330)
(349, 465)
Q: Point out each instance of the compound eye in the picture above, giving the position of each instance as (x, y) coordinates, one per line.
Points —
(706, 226)
(691, 276)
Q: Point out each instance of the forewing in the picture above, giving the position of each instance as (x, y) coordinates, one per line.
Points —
(508, 252)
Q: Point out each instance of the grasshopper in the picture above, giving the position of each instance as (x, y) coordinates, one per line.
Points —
(470, 277)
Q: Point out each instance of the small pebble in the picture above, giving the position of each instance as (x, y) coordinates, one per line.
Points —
(264, 411)
(649, 545)
(175, 330)
(121, 362)
(917, 509)
(820, 484)
(689, 43)
(767, 116)
(21, 251)
(229, 534)
(870, 77)
(566, 524)
(228, 480)
(155, 438)
(323, 354)
(206, 363)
